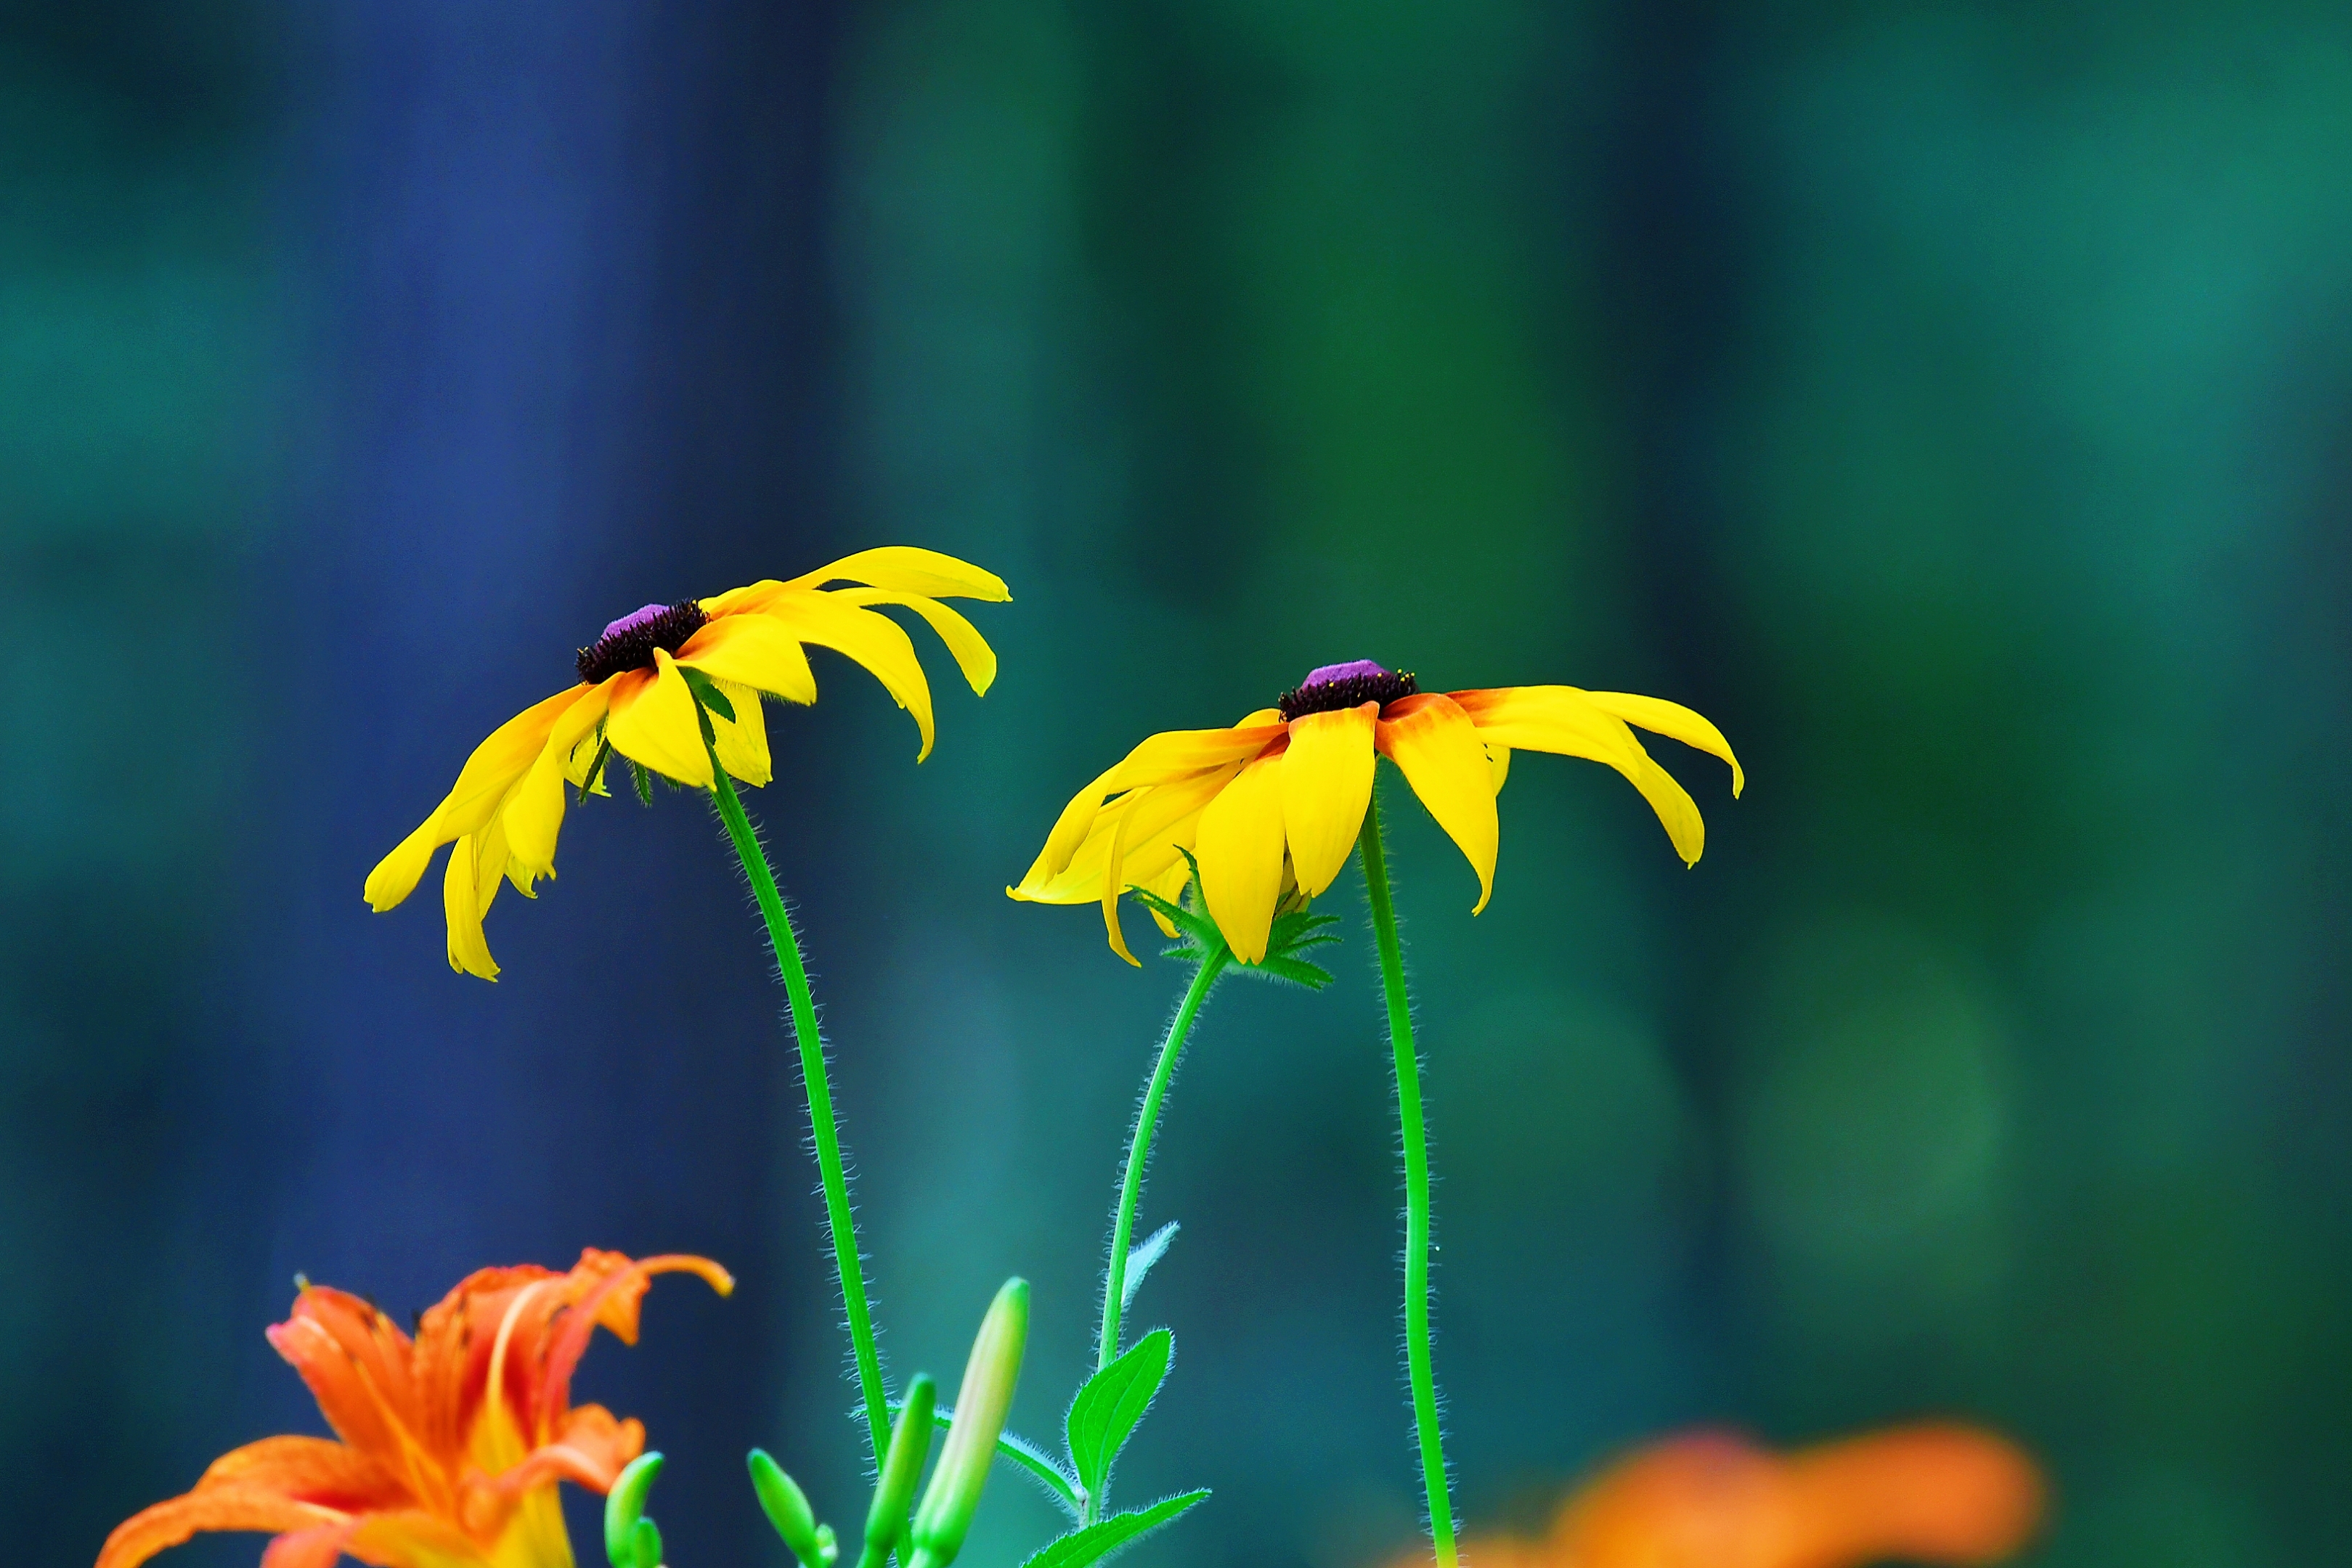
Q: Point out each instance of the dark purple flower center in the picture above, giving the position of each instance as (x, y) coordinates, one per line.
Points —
(1350, 684)
(629, 643)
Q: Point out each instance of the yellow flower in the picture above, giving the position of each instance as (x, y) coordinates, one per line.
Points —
(1281, 795)
(636, 696)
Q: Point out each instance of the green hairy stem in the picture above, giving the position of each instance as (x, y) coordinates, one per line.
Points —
(847, 1265)
(1416, 1188)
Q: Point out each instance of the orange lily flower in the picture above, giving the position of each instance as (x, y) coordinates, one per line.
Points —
(452, 1442)
(1928, 1493)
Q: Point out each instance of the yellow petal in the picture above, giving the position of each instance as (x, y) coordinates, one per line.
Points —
(1327, 782)
(1501, 758)
(487, 775)
(1169, 885)
(652, 721)
(904, 568)
(469, 953)
(742, 744)
(1161, 759)
(1240, 850)
(1166, 821)
(1435, 745)
(1674, 722)
(533, 811)
(744, 600)
(753, 650)
(873, 640)
(972, 654)
(1563, 719)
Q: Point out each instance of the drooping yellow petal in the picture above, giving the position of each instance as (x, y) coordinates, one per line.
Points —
(654, 721)
(972, 654)
(469, 952)
(1500, 756)
(1326, 783)
(904, 568)
(533, 811)
(1674, 722)
(753, 650)
(1563, 719)
(1435, 745)
(871, 640)
(1171, 755)
(487, 775)
(1165, 821)
(742, 743)
(1240, 850)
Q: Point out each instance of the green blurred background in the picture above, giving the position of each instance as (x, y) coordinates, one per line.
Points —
(1954, 401)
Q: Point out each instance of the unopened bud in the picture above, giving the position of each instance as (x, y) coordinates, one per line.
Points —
(645, 1545)
(894, 1491)
(945, 1518)
(787, 1508)
(624, 1507)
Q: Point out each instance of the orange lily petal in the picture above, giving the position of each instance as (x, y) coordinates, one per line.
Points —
(1930, 1493)
(1326, 784)
(321, 1546)
(357, 1364)
(652, 721)
(244, 1508)
(1240, 850)
(1435, 745)
(309, 1469)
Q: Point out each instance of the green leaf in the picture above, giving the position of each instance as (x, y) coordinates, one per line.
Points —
(1028, 1458)
(707, 693)
(1290, 971)
(1096, 1541)
(1104, 1413)
(1140, 1259)
(1200, 928)
(591, 782)
(644, 779)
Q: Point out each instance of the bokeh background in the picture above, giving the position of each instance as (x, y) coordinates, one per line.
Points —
(1953, 401)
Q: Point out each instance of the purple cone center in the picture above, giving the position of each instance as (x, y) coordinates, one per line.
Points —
(635, 619)
(1323, 676)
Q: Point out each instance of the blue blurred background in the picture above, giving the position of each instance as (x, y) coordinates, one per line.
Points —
(1954, 401)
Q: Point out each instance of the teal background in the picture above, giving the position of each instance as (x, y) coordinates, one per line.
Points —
(1953, 401)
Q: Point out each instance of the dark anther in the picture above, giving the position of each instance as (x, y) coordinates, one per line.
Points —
(1345, 686)
(629, 643)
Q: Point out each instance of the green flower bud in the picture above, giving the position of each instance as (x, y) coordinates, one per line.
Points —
(894, 1491)
(624, 1507)
(945, 1518)
(645, 1545)
(787, 1508)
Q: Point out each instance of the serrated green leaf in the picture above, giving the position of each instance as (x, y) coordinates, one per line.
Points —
(1027, 1458)
(1096, 1541)
(644, 779)
(1199, 927)
(593, 781)
(1141, 1257)
(706, 692)
(1113, 1400)
(1289, 971)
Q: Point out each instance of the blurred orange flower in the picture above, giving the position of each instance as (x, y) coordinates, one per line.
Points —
(1929, 1493)
(452, 1443)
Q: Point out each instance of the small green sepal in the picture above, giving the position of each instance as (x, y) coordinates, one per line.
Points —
(706, 692)
(787, 1508)
(624, 1507)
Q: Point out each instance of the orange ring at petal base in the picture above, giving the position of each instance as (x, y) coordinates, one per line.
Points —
(1277, 800)
(636, 696)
